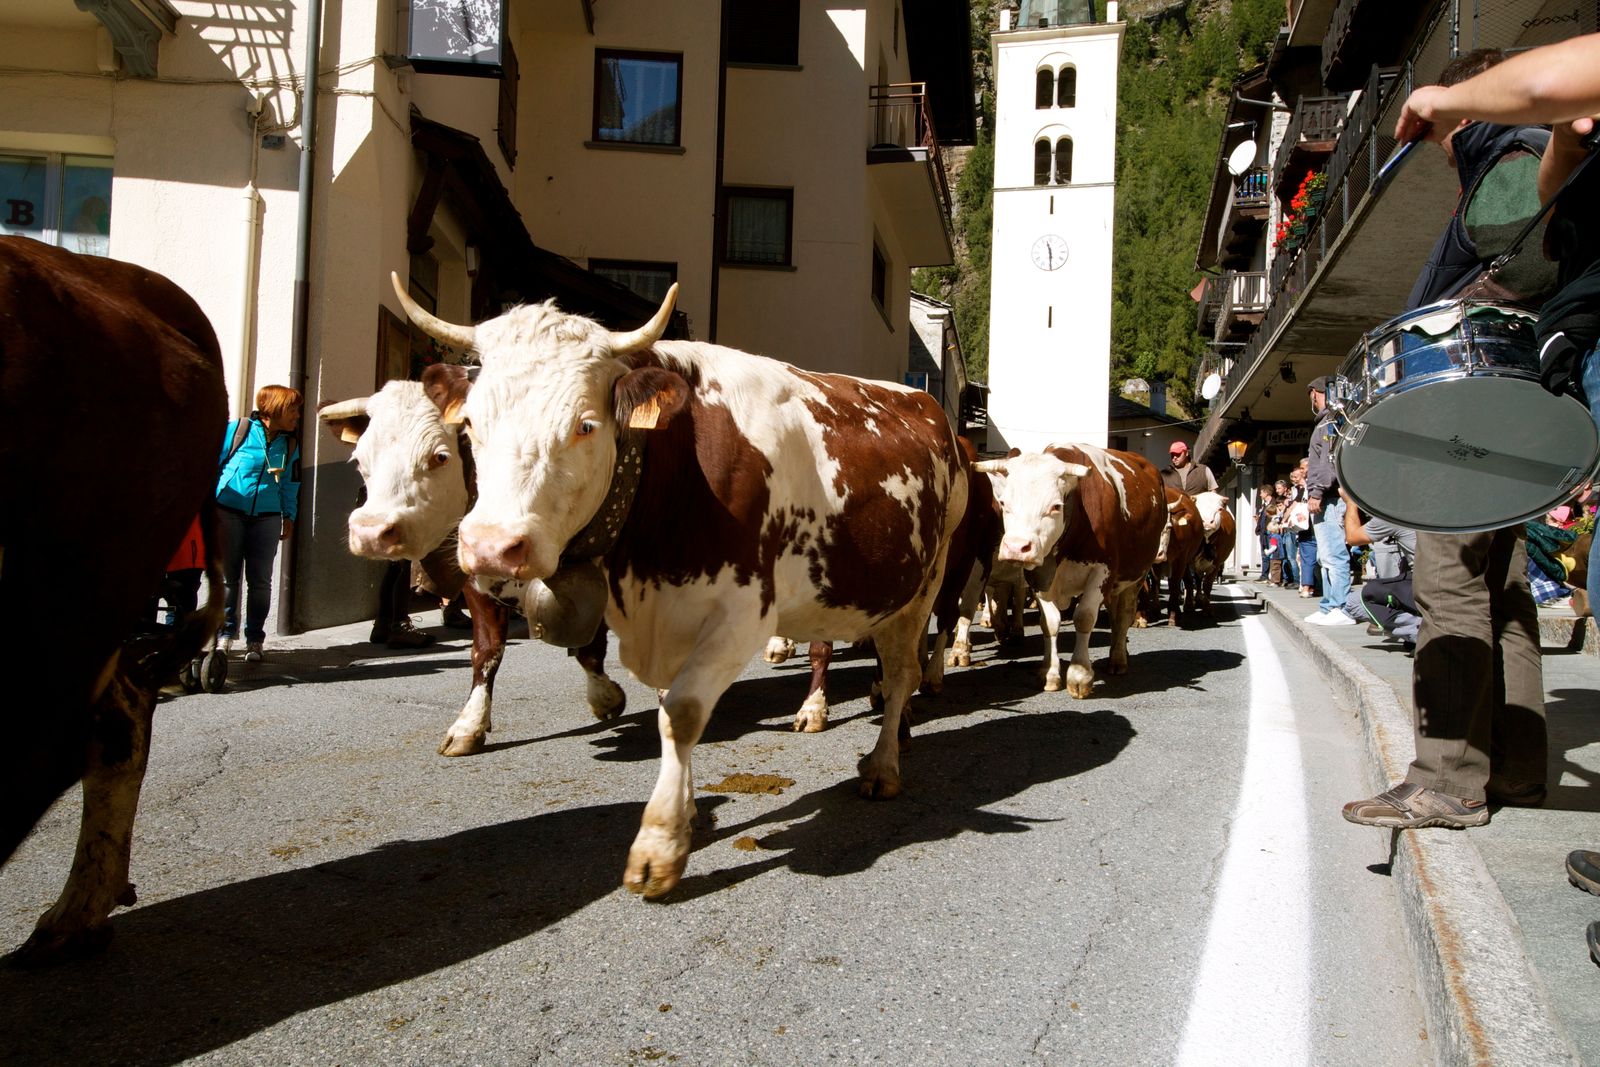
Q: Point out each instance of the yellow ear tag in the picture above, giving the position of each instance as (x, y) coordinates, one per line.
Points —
(1183, 522)
(452, 416)
(349, 435)
(646, 415)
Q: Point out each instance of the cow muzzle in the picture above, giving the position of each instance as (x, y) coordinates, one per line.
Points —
(495, 552)
(376, 537)
(1024, 550)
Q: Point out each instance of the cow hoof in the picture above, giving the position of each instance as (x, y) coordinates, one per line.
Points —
(128, 897)
(1052, 683)
(47, 947)
(607, 700)
(1140, 623)
(878, 784)
(1115, 667)
(1079, 681)
(813, 715)
(779, 649)
(875, 698)
(958, 657)
(1172, 620)
(470, 745)
(655, 864)
(931, 688)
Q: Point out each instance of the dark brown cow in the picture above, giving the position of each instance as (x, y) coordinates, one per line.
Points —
(112, 408)
(966, 575)
(1181, 540)
(1090, 521)
(1220, 529)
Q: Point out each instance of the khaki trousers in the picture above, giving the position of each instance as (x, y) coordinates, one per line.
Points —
(1477, 682)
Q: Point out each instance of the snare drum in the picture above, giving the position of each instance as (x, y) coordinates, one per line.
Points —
(1444, 425)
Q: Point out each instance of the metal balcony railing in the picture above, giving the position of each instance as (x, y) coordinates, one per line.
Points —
(900, 117)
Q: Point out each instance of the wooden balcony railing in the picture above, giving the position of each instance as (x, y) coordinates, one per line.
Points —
(1317, 120)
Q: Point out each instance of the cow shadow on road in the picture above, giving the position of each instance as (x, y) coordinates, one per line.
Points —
(196, 973)
(953, 779)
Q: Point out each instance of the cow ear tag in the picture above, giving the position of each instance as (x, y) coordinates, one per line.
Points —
(349, 435)
(1183, 522)
(645, 416)
(452, 416)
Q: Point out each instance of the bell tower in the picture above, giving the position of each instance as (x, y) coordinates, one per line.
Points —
(1055, 147)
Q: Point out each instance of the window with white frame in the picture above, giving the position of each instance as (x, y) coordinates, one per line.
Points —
(58, 198)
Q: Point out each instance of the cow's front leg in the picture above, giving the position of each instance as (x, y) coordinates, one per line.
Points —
(661, 850)
(606, 698)
(1050, 624)
(1080, 673)
(813, 714)
(119, 750)
(491, 621)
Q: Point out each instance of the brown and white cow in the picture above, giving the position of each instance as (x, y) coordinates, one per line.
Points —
(94, 351)
(1218, 523)
(1089, 521)
(764, 499)
(419, 479)
(971, 562)
(1181, 538)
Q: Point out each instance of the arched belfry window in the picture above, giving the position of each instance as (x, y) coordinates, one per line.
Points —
(1063, 161)
(1067, 87)
(1045, 87)
(1041, 162)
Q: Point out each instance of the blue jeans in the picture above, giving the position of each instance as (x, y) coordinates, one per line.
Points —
(249, 543)
(1590, 380)
(1333, 555)
(1307, 552)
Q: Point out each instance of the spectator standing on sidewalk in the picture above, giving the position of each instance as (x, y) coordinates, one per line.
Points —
(1478, 680)
(258, 494)
(1327, 512)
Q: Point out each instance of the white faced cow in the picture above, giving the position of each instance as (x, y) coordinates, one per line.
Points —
(728, 497)
(1219, 526)
(1089, 520)
(419, 481)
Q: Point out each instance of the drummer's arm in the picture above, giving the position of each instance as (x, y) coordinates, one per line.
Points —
(1565, 152)
(1354, 533)
(1556, 83)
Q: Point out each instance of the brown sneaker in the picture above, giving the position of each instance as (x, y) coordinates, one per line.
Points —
(404, 634)
(1409, 806)
(1583, 870)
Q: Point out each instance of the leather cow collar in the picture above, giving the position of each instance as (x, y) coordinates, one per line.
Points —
(600, 535)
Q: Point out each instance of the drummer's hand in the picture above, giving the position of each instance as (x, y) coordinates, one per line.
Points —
(1416, 116)
(1344, 494)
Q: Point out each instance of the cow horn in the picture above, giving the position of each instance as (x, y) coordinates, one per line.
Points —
(1175, 505)
(650, 332)
(1077, 470)
(461, 337)
(990, 466)
(343, 409)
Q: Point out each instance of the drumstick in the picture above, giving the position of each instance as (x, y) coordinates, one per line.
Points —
(1391, 165)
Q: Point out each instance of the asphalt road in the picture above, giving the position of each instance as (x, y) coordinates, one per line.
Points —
(1157, 874)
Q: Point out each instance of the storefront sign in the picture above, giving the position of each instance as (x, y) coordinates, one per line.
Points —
(1300, 435)
(456, 36)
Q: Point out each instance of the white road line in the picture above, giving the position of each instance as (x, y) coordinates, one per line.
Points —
(1252, 997)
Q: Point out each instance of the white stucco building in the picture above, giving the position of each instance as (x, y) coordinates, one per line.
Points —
(777, 158)
(1054, 190)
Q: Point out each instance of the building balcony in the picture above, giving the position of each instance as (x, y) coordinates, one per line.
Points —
(1232, 305)
(1308, 141)
(1355, 269)
(1368, 33)
(905, 167)
(1244, 219)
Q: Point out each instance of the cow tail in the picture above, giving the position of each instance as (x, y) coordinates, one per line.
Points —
(195, 630)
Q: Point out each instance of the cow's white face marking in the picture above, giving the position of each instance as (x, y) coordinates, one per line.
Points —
(1033, 499)
(1211, 506)
(412, 469)
(543, 433)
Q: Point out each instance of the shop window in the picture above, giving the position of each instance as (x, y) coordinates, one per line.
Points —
(58, 198)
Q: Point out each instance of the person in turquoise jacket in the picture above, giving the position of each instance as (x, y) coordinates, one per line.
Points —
(258, 492)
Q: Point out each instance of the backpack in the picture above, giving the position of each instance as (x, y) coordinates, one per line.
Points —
(241, 432)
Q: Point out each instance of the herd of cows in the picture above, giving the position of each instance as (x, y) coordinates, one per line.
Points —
(702, 504)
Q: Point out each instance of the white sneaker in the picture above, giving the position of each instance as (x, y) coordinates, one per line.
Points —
(1333, 618)
(227, 645)
(1316, 616)
(253, 652)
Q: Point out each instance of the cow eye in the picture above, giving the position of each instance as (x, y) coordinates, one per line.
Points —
(438, 459)
(1055, 509)
(587, 427)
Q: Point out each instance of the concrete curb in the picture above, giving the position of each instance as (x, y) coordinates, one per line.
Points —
(1483, 1000)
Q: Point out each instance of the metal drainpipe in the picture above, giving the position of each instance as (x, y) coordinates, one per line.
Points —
(302, 261)
(252, 251)
(718, 223)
